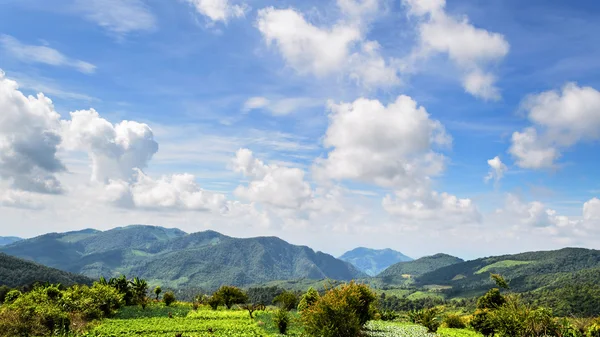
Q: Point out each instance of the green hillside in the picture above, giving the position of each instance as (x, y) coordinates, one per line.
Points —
(402, 271)
(173, 258)
(373, 261)
(526, 271)
(15, 272)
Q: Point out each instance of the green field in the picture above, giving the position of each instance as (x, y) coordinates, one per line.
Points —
(502, 264)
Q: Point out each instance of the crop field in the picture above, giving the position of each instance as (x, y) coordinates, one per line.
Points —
(154, 321)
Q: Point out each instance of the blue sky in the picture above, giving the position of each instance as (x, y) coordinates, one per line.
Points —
(282, 116)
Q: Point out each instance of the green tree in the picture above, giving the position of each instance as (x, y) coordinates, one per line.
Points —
(491, 300)
(157, 291)
(169, 298)
(286, 300)
(499, 280)
(139, 289)
(230, 295)
(308, 299)
(281, 318)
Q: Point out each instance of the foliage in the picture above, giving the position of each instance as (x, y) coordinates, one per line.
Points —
(157, 291)
(482, 323)
(499, 280)
(491, 300)
(282, 319)
(417, 267)
(427, 318)
(12, 296)
(169, 298)
(388, 315)
(230, 295)
(454, 321)
(93, 302)
(263, 295)
(594, 330)
(16, 272)
(214, 302)
(286, 300)
(342, 311)
(308, 299)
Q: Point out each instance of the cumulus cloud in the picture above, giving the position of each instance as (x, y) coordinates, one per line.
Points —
(116, 150)
(472, 49)
(29, 139)
(20, 199)
(218, 10)
(43, 54)
(281, 106)
(271, 184)
(391, 146)
(426, 205)
(337, 49)
(118, 16)
(560, 120)
(497, 169)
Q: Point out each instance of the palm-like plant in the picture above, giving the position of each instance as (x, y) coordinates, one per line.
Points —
(139, 289)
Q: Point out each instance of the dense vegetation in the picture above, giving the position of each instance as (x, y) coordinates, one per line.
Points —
(15, 272)
(175, 259)
(373, 261)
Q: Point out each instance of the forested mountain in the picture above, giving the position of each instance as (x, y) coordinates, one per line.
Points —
(7, 240)
(15, 272)
(401, 271)
(175, 259)
(526, 271)
(373, 261)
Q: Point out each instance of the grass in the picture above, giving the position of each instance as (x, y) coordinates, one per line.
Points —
(502, 264)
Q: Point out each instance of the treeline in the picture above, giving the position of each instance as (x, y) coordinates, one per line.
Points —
(15, 272)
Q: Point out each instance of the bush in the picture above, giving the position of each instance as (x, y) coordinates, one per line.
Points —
(389, 315)
(287, 300)
(594, 330)
(214, 302)
(12, 296)
(169, 298)
(94, 302)
(491, 300)
(308, 299)
(482, 322)
(282, 319)
(454, 322)
(341, 311)
(426, 317)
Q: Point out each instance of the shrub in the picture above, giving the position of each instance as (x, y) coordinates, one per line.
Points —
(214, 302)
(12, 296)
(341, 311)
(594, 330)
(157, 291)
(3, 291)
(169, 298)
(454, 322)
(287, 300)
(482, 322)
(282, 319)
(491, 300)
(426, 317)
(308, 299)
(389, 315)
(93, 302)
(230, 295)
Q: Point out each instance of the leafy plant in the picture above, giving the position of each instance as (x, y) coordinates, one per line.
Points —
(169, 298)
(230, 295)
(308, 299)
(454, 321)
(286, 300)
(282, 319)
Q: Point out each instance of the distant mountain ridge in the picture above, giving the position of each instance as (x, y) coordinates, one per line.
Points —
(7, 240)
(373, 261)
(15, 272)
(174, 258)
(400, 271)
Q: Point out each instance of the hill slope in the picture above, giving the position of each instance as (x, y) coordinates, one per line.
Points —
(402, 270)
(15, 272)
(526, 271)
(373, 261)
(7, 240)
(173, 258)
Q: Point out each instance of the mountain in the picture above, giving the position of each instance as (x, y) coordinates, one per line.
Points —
(173, 258)
(15, 272)
(401, 271)
(373, 261)
(7, 240)
(530, 271)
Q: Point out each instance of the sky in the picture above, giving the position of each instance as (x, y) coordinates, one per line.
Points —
(460, 126)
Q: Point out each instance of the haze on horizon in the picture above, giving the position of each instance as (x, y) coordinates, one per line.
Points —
(424, 126)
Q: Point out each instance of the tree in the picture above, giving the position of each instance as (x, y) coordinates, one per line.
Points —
(157, 291)
(139, 289)
(230, 295)
(286, 300)
(169, 298)
(308, 299)
(491, 300)
(499, 280)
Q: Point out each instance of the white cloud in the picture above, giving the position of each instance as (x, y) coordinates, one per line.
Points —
(560, 120)
(391, 146)
(218, 10)
(422, 204)
(43, 54)
(115, 150)
(472, 49)
(497, 169)
(281, 106)
(337, 49)
(591, 210)
(20, 199)
(271, 184)
(118, 16)
(29, 138)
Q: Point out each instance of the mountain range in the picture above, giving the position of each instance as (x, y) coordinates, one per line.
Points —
(7, 240)
(173, 258)
(373, 261)
(15, 272)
